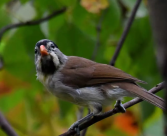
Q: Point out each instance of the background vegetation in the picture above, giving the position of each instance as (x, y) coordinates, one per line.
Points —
(23, 100)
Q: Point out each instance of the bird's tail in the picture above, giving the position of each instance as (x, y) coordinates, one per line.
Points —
(143, 94)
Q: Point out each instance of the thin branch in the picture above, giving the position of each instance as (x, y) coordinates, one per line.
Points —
(124, 9)
(98, 31)
(5, 126)
(1, 62)
(125, 33)
(33, 22)
(112, 112)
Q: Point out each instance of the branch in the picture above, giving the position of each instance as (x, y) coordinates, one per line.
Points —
(124, 9)
(29, 23)
(5, 126)
(125, 33)
(1, 62)
(98, 30)
(112, 112)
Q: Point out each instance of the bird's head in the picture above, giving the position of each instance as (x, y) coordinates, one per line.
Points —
(48, 57)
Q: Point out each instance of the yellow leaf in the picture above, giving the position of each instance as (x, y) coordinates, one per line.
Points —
(94, 6)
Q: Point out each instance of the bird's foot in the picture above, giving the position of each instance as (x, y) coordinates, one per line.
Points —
(120, 106)
(75, 127)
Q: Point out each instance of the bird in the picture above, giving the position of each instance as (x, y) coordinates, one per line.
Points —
(85, 82)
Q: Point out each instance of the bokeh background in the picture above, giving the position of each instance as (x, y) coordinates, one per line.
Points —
(29, 108)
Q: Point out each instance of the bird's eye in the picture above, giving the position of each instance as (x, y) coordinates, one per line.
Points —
(52, 46)
(35, 51)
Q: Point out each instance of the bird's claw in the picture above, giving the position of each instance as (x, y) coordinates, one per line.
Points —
(120, 106)
(75, 127)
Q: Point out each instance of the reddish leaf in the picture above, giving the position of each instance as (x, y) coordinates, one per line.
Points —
(128, 123)
(4, 88)
(94, 6)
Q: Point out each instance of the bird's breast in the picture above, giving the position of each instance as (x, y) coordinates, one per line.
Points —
(53, 84)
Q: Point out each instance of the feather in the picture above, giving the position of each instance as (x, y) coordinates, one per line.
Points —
(80, 72)
(141, 93)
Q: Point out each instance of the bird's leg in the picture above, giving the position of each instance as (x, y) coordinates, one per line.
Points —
(84, 131)
(75, 125)
(120, 106)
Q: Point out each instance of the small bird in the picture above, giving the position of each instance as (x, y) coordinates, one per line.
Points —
(85, 82)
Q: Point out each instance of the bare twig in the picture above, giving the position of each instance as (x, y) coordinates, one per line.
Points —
(98, 31)
(123, 7)
(112, 112)
(125, 32)
(5, 126)
(29, 23)
(1, 62)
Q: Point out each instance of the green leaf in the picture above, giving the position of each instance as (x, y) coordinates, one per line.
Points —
(9, 101)
(111, 20)
(2, 2)
(65, 107)
(67, 2)
(18, 53)
(154, 125)
(2, 133)
(43, 6)
(5, 17)
(116, 132)
(24, 1)
(55, 24)
(139, 45)
(72, 41)
(84, 20)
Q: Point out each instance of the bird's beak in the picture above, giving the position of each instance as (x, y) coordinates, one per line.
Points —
(43, 51)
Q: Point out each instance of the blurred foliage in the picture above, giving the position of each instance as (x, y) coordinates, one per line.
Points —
(33, 111)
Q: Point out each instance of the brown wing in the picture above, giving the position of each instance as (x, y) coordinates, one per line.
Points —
(80, 72)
